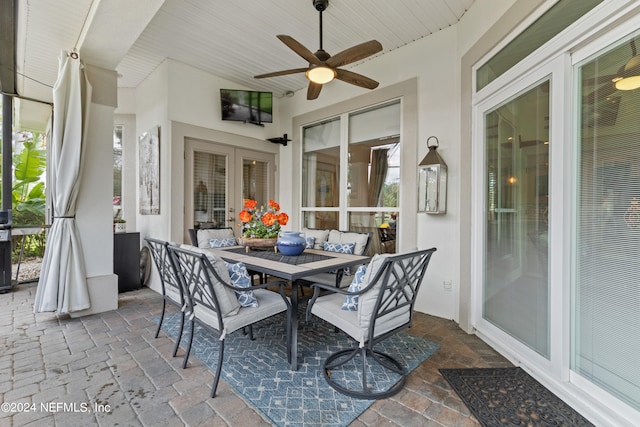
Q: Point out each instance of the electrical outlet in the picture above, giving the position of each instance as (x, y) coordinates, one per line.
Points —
(447, 285)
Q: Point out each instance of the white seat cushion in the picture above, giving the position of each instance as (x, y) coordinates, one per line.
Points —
(367, 301)
(227, 299)
(329, 308)
(320, 236)
(207, 234)
(356, 323)
(359, 239)
(269, 303)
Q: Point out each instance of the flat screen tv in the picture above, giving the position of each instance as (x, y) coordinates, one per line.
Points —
(246, 106)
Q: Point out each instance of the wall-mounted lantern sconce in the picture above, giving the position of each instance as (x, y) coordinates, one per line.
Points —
(432, 181)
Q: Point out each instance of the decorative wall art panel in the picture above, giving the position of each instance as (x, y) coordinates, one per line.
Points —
(149, 156)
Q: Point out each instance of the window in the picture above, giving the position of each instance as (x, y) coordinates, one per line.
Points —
(351, 180)
(321, 175)
(556, 19)
(117, 171)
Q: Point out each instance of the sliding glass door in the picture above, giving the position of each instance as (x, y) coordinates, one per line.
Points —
(516, 283)
(558, 160)
(606, 286)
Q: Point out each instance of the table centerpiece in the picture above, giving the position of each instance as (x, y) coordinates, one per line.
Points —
(261, 226)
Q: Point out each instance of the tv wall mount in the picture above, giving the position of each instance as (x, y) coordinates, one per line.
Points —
(280, 140)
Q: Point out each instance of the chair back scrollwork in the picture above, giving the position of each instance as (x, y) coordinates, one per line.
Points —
(393, 293)
(197, 276)
(166, 270)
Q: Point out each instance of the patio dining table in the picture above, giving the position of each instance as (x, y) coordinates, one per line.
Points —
(293, 269)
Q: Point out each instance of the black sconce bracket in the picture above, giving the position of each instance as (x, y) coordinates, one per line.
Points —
(280, 140)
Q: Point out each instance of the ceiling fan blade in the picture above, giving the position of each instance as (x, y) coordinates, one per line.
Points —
(281, 73)
(356, 79)
(599, 94)
(314, 90)
(598, 80)
(299, 49)
(354, 53)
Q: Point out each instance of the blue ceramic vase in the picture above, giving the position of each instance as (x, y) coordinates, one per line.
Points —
(291, 243)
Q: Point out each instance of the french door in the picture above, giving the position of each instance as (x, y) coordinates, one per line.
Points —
(219, 178)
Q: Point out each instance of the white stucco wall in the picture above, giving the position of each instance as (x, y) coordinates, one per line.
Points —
(94, 202)
(152, 110)
(195, 100)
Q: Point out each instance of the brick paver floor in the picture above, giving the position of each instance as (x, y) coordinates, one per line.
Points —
(108, 370)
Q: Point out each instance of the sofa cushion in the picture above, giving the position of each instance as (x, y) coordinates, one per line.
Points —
(222, 243)
(342, 248)
(358, 239)
(320, 237)
(311, 242)
(207, 234)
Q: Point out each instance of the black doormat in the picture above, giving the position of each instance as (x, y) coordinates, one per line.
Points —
(510, 397)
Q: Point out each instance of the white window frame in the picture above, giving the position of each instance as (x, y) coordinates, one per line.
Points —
(406, 92)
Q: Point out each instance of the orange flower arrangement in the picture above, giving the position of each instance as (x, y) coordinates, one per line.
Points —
(262, 223)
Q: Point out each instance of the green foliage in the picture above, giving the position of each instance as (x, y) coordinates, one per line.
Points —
(28, 195)
(390, 195)
(29, 163)
(29, 200)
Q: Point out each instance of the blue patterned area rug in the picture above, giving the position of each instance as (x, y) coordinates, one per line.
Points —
(258, 370)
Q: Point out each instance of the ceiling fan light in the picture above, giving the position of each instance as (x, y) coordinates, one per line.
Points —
(629, 76)
(321, 74)
(628, 83)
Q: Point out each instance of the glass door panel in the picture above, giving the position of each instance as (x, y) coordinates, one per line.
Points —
(321, 175)
(515, 289)
(219, 178)
(210, 190)
(255, 180)
(606, 289)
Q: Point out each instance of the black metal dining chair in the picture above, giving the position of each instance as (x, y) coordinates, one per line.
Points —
(385, 303)
(210, 301)
(171, 288)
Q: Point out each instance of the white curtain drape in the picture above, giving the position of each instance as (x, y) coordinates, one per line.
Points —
(63, 285)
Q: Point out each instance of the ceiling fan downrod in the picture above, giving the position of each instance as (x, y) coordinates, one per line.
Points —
(321, 6)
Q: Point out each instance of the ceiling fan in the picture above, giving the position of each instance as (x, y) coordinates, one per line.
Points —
(626, 78)
(323, 67)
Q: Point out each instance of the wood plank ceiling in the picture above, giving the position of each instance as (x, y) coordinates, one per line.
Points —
(234, 40)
